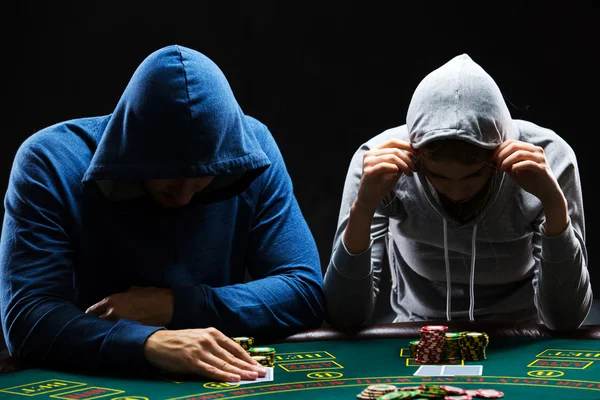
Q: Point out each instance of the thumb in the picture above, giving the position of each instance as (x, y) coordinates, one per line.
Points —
(97, 308)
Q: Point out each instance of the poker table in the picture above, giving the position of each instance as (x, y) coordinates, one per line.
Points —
(524, 362)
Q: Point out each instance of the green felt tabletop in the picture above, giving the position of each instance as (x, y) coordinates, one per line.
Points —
(520, 368)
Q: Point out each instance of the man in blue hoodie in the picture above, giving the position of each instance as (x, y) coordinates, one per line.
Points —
(127, 237)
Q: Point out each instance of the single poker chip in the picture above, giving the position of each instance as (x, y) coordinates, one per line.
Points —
(367, 396)
(396, 395)
(262, 351)
(245, 341)
(458, 397)
(375, 391)
(432, 328)
(489, 393)
(410, 388)
(382, 387)
(243, 338)
(453, 390)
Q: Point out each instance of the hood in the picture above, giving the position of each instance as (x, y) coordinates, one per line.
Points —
(459, 100)
(178, 118)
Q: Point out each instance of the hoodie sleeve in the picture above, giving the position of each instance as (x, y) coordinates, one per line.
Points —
(351, 282)
(285, 294)
(39, 318)
(563, 294)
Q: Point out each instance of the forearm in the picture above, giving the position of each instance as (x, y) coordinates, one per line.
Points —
(56, 333)
(564, 292)
(557, 214)
(280, 305)
(357, 235)
(349, 290)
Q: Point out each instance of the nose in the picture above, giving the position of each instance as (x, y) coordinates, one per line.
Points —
(457, 193)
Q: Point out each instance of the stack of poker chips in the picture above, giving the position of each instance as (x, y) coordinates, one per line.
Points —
(376, 391)
(473, 346)
(245, 342)
(264, 355)
(414, 345)
(470, 346)
(452, 348)
(431, 344)
(426, 391)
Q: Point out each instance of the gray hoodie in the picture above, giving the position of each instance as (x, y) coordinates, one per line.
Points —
(498, 266)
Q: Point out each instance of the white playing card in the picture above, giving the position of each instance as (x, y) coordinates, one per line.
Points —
(449, 370)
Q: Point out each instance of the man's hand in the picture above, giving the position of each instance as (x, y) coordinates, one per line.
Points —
(382, 167)
(204, 352)
(146, 305)
(527, 165)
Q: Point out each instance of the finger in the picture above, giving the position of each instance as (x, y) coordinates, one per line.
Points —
(389, 168)
(500, 147)
(236, 350)
(210, 371)
(526, 165)
(507, 148)
(403, 163)
(228, 363)
(238, 356)
(397, 143)
(98, 308)
(518, 156)
(405, 156)
(226, 348)
(383, 169)
(244, 361)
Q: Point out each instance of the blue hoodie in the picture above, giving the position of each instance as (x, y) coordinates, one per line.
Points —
(79, 225)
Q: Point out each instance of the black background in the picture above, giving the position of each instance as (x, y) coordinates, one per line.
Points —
(323, 78)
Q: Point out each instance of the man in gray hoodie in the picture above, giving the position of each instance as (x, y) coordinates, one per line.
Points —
(474, 214)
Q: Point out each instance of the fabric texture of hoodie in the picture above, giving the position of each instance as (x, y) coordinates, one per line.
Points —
(497, 266)
(79, 225)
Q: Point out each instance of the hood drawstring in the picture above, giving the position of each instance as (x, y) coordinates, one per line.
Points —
(448, 283)
(471, 279)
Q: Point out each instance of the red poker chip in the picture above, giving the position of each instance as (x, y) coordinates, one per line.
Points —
(434, 328)
(453, 389)
(458, 397)
(489, 393)
(410, 388)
